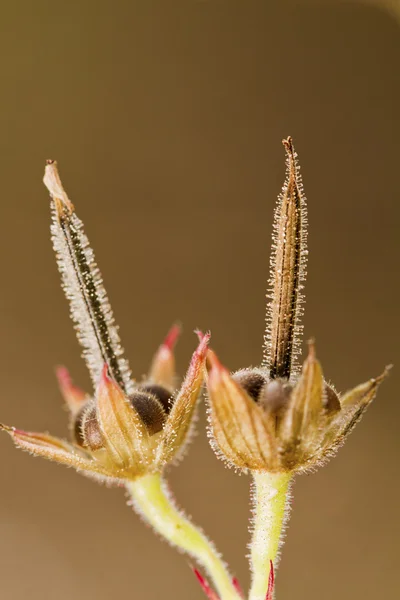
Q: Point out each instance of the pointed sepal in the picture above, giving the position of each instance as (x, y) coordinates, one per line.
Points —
(302, 416)
(180, 419)
(353, 403)
(124, 433)
(162, 370)
(241, 429)
(73, 396)
(55, 449)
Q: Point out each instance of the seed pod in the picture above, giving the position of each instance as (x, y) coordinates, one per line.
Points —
(77, 426)
(330, 400)
(275, 395)
(86, 428)
(163, 395)
(272, 395)
(251, 380)
(150, 410)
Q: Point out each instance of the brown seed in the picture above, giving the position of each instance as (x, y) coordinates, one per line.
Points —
(150, 411)
(77, 427)
(91, 429)
(86, 430)
(275, 395)
(252, 382)
(330, 400)
(163, 395)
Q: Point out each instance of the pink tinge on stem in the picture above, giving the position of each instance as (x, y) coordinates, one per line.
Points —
(73, 395)
(237, 587)
(209, 592)
(271, 582)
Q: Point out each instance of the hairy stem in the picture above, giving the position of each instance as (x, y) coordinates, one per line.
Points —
(152, 499)
(270, 497)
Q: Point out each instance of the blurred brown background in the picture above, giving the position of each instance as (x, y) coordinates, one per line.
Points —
(166, 119)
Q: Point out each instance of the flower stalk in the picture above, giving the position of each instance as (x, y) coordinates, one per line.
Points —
(151, 498)
(270, 498)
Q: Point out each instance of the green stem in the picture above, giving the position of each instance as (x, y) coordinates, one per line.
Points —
(270, 497)
(152, 500)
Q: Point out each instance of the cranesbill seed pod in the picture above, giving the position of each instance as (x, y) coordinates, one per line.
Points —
(121, 417)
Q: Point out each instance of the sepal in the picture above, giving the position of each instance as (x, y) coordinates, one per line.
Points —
(73, 396)
(55, 449)
(162, 370)
(241, 428)
(125, 436)
(180, 419)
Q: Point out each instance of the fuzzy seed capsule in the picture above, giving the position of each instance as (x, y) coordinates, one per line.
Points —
(86, 430)
(271, 394)
(330, 400)
(251, 381)
(163, 395)
(150, 410)
(275, 395)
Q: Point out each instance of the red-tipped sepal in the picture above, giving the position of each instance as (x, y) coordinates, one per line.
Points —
(73, 396)
(124, 433)
(241, 428)
(162, 371)
(180, 419)
(52, 448)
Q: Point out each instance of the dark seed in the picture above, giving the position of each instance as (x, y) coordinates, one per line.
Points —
(77, 427)
(275, 395)
(330, 400)
(93, 438)
(161, 393)
(150, 411)
(86, 428)
(251, 381)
